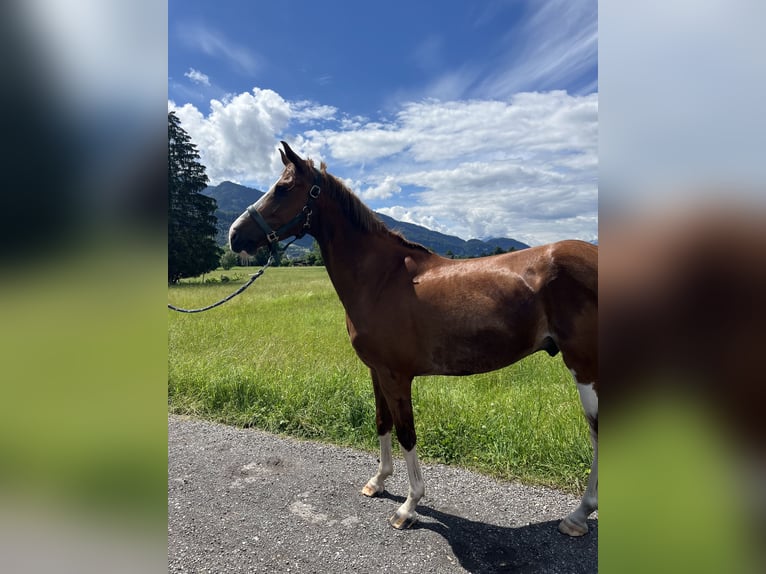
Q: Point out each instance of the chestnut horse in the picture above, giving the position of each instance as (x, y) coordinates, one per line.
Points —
(410, 312)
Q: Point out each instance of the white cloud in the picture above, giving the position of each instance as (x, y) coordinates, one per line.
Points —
(368, 142)
(570, 47)
(214, 43)
(198, 77)
(409, 216)
(383, 190)
(525, 167)
(307, 112)
(237, 138)
(555, 44)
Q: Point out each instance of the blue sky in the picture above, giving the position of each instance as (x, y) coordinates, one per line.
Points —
(477, 119)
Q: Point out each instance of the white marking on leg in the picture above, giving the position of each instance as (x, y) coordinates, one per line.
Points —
(589, 400)
(575, 524)
(376, 484)
(405, 516)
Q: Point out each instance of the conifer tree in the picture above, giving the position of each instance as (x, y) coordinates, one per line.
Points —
(192, 249)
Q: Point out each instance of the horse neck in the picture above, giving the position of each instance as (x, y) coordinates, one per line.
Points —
(353, 256)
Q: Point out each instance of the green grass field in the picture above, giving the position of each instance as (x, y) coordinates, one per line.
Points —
(278, 358)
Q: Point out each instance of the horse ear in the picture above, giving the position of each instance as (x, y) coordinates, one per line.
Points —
(289, 156)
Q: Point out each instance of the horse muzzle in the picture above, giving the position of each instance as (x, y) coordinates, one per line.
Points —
(240, 237)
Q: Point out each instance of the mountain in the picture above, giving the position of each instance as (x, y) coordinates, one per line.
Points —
(233, 199)
(441, 243)
(505, 243)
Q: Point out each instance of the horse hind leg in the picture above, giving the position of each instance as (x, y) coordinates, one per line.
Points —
(384, 423)
(576, 523)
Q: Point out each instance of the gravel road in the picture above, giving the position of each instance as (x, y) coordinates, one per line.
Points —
(242, 500)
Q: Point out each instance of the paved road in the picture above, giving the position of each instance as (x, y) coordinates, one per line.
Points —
(241, 500)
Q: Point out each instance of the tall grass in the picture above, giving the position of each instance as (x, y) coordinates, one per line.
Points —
(278, 358)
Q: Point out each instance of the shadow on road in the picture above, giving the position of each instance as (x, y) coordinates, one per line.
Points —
(487, 548)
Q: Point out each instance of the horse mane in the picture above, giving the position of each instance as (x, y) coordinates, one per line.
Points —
(358, 213)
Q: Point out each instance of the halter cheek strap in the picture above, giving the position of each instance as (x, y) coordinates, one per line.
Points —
(273, 237)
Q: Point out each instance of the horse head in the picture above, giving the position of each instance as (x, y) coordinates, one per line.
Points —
(284, 211)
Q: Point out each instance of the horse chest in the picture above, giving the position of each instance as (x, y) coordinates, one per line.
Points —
(387, 339)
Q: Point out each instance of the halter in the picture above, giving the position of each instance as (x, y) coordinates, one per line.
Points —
(273, 237)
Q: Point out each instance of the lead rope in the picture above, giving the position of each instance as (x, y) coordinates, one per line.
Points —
(253, 277)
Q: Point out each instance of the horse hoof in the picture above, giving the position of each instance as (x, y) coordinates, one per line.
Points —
(571, 528)
(402, 522)
(371, 490)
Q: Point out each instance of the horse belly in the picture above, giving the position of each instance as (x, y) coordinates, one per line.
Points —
(486, 351)
(469, 328)
(481, 328)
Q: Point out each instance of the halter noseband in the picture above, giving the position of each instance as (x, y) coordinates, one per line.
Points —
(272, 236)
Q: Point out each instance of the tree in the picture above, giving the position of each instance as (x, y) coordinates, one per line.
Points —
(317, 253)
(192, 249)
(229, 259)
(261, 256)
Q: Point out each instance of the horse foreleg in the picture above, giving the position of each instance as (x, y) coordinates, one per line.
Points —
(404, 421)
(383, 422)
(405, 516)
(376, 484)
(576, 523)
